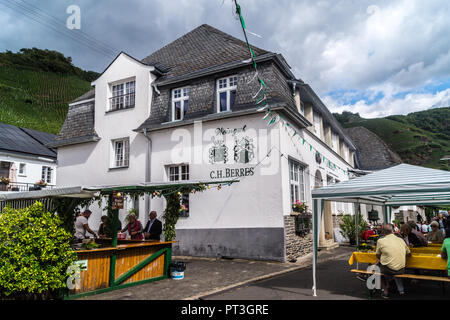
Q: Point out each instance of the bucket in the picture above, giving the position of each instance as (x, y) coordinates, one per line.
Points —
(177, 275)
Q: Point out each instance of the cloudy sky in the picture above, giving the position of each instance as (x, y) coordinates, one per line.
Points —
(377, 57)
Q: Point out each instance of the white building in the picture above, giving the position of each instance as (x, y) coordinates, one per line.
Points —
(188, 112)
(24, 158)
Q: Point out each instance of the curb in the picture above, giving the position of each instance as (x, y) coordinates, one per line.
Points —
(264, 277)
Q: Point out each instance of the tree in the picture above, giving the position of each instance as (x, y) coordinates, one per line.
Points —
(35, 253)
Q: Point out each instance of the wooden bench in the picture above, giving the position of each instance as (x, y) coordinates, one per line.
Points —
(409, 276)
(442, 280)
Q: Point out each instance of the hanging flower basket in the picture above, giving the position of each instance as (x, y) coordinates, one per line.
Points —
(41, 183)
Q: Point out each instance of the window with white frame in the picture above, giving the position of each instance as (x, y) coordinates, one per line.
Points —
(297, 181)
(180, 103)
(180, 173)
(226, 93)
(121, 149)
(123, 95)
(46, 175)
(22, 169)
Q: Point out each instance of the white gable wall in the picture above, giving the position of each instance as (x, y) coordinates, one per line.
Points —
(90, 163)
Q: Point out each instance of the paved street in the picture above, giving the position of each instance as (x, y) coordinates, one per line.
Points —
(206, 276)
(238, 279)
(334, 282)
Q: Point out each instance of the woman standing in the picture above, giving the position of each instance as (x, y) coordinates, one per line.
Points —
(134, 227)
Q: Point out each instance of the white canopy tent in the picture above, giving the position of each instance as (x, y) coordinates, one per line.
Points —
(396, 186)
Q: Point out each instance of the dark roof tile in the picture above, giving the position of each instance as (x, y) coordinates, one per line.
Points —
(201, 48)
(372, 153)
(15, 139)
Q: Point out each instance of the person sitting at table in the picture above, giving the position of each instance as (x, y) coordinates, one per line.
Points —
(153, 228)
(411, 238)
(436, 235)
(441, 220)
(391, 253)
(134, 227)
(426, 227)
(419, 235)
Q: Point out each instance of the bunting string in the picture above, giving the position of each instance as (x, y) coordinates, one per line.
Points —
(271, 117)
(261, 94)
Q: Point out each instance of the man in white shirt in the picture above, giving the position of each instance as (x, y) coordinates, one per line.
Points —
(81, 225)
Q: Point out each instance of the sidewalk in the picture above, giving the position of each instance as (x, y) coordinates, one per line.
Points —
(206, 276)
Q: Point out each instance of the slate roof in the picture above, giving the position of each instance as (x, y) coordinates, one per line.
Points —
(199, 49)
(372, 153)
(78, 126)
(25, 141)
(87, 96)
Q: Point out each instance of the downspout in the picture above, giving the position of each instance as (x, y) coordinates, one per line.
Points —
(148, 170)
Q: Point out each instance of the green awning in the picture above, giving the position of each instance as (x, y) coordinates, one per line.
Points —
(403, 183)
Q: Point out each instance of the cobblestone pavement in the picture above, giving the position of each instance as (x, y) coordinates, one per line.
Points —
(206, 276)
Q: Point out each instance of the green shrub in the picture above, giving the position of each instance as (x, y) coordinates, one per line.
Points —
(348, 228)
(35, 253)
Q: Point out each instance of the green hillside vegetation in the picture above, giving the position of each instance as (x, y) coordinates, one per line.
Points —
(420, 138)
(36, 87)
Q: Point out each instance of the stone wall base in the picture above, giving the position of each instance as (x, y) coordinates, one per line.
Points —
(296, 246)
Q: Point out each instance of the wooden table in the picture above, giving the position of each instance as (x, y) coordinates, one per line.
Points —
(432, 250)
(132, 263)
(416, 261)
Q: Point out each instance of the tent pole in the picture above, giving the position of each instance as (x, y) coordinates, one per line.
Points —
(390, 214)
(315, 212)
(357, 212)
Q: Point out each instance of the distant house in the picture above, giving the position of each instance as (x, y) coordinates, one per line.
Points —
(24, 158)
(188, 112)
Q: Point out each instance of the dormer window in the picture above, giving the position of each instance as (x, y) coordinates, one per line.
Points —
(123, 96)
(226, 93)
(180, 103)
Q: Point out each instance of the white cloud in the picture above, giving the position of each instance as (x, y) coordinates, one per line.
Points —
(390, 104)
(365, 46)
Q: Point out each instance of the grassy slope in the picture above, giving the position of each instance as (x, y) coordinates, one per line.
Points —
(413, 144)
(36, 99)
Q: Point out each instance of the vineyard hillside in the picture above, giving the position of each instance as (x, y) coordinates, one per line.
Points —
(34, 96)
(419, 138)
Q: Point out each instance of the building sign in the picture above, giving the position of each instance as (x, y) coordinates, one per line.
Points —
(243, 151)
(232, 173)
(117, 200)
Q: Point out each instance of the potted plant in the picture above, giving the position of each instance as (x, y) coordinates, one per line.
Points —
(348, 228)
(364, 247)
(5, 180)
(299, 206)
